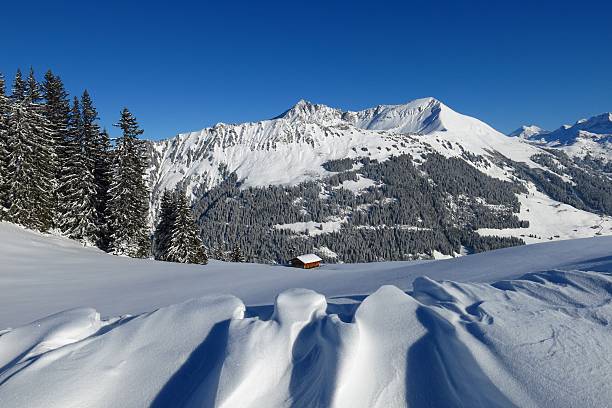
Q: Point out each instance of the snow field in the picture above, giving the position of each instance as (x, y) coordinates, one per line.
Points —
(542, 340)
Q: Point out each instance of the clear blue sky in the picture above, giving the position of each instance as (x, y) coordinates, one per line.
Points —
(181, 66)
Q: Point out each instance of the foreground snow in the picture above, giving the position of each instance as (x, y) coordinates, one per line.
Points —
(528, 326)
(542, 340)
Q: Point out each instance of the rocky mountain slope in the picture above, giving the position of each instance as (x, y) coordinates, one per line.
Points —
(385, 183)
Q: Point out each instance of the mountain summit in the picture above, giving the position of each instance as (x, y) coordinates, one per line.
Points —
(528, 132)
(422, 116)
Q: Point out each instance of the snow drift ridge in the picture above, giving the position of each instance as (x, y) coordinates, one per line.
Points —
(518, 342)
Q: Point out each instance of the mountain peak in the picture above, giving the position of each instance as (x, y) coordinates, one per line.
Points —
(306, 111)
(423, 115)
(528, 131)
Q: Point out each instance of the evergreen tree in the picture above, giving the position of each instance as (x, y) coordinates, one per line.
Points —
(185, 244)
(4, 152)
(102, 176)
(128, 194)
(57, 110)
(236, 255)
(163, 230)
(218, 253)
(19, 87)
(78, 191)
(30, 154)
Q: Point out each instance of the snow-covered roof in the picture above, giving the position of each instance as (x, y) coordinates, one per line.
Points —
(308, 258)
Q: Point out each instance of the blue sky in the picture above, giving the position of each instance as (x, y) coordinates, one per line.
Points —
(181, 66)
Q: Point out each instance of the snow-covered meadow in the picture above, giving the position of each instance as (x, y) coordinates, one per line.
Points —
(525, 326)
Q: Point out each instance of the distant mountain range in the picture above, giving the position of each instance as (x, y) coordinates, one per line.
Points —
(591, 136)
(388, 182)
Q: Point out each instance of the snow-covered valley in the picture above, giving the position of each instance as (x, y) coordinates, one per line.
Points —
(524, 326)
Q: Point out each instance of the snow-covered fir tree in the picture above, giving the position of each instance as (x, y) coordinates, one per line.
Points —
(77, 189)
(58, 169)
(236, 254)
(102, 176)
(4, 154)
(218, 253)
(57, 110)
(163, 229)
(128, 193)
(31, 155)
(184, 243)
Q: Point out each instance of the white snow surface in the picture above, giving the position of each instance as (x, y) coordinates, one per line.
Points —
(525, 326)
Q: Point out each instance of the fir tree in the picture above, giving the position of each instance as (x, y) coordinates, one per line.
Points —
(184, 244)
(19, 87)
(78, 190)
(88, 142)
(4, 152)
(57, 110)
(163, 230)
(30, 154)
(218, 253)
(128, 194)
(236, 255)
(102, 176)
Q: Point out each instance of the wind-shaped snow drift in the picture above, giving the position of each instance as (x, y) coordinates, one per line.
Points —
(543, 340)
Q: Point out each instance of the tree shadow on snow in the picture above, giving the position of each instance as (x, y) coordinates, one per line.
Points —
(197, 381)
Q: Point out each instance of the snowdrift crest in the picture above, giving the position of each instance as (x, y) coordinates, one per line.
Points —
(445, 343)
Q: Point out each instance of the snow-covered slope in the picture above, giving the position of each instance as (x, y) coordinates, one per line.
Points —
(598, 128)
(591, 136)
(292, 147)
(528, 326)
(60, 274)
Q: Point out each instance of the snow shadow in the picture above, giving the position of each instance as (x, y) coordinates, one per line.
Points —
(442, 372)
(344, 309)
(603, 264)
(197, 381)
(315, 364)
(18, 364)
(264, 312)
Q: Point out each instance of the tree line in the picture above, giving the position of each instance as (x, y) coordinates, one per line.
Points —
(60, 171)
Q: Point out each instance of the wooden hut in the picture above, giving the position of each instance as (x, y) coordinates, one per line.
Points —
(306, 261)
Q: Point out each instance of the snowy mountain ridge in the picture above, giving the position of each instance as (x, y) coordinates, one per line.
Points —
(331, 133)
(592, 136)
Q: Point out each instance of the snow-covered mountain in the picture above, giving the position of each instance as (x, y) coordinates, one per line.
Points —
(592, 136)
(528, 131)
(313, 142)
(291, 147)
(598, 128)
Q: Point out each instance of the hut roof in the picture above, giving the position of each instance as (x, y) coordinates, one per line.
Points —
(308, 258)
